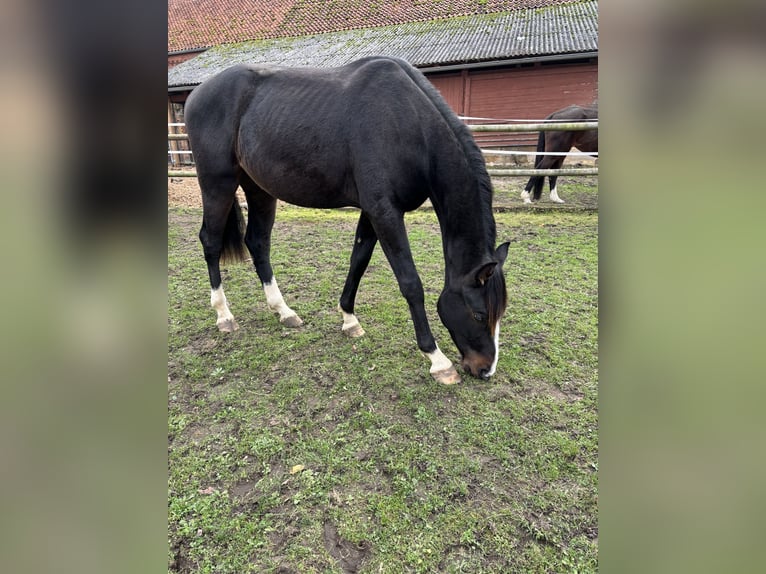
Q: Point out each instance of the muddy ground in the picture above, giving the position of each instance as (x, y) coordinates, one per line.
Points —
(579, 193)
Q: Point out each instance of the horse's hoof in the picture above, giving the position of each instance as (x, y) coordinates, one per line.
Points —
(557, 200)
(527, 200)
(292, 321)
(447, 376)
(353, 331)
(227, 325)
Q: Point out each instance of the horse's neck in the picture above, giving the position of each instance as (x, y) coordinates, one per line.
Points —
(464, 225)
(463, 206)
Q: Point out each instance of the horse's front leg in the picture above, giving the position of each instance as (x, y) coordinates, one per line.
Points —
(393, 239)
(364, 244)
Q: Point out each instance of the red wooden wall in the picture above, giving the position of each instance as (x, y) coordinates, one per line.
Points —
(531, 92)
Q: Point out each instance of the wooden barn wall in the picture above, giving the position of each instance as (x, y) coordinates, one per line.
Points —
(531, 93)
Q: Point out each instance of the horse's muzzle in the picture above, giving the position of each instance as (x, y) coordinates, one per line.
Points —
(476, 365)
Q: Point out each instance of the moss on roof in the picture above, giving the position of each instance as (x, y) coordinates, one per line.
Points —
(568, 28)
(201, 24)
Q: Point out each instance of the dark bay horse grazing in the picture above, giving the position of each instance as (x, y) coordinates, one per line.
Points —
(373, 134)
(560, 142)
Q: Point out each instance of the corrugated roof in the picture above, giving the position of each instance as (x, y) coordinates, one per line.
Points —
(205, 23)
(562, 29)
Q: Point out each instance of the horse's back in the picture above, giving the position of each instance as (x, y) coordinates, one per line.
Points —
(308, 135)
(288, 94)
(575, 113)
(584, 140)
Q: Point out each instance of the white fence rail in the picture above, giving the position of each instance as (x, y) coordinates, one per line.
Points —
(534, 127)
(496, 172)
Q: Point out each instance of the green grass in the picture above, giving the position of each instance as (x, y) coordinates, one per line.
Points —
(578, 193)
(399, 474)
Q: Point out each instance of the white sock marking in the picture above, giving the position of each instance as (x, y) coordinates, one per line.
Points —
(275, 301)
(219, 303)
(221, 306)
(497, 349)
(349, 321)
(555, 196)
(439, 362)
(525, 196)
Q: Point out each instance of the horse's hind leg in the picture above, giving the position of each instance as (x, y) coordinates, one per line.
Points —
(530, 185)
(220, 234)
(549, 162)
(536, 182)
(554, 192)
(261, 211)
(364, 244)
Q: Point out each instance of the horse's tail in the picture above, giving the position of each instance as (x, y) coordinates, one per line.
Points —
(233, 248)
(540, 149)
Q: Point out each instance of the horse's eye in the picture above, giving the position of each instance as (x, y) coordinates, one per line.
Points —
(479, 317)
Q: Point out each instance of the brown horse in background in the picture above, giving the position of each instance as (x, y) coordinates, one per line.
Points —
(561, 142)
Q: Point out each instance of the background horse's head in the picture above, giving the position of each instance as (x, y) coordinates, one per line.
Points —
(471, 309)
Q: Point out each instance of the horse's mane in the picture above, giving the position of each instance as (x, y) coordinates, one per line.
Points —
(496, 298)
(464, 137)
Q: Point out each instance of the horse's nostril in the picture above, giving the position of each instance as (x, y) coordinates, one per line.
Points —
(484, 374)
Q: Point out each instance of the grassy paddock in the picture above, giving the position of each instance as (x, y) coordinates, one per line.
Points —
(299, 450)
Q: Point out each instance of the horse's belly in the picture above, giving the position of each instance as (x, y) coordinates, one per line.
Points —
(314, 198)
(309, 190)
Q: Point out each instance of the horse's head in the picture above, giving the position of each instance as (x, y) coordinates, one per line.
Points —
(471, 308)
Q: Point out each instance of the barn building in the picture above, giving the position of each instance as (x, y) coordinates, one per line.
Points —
(491, 59)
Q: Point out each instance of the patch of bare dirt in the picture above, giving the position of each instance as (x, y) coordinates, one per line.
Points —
(181, 562)
(349, 555)
(183, 192)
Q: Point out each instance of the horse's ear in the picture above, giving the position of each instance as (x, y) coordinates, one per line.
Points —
(502, 252)
(485, 272)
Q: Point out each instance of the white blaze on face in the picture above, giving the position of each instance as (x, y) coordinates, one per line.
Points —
(497, 349)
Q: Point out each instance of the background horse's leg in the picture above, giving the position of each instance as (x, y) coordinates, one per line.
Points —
(559, 142)
(549, 162)
(364, 244)
(554, 192)
(261, 211)
(392, 235)
(220, 233)
(536, 181)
